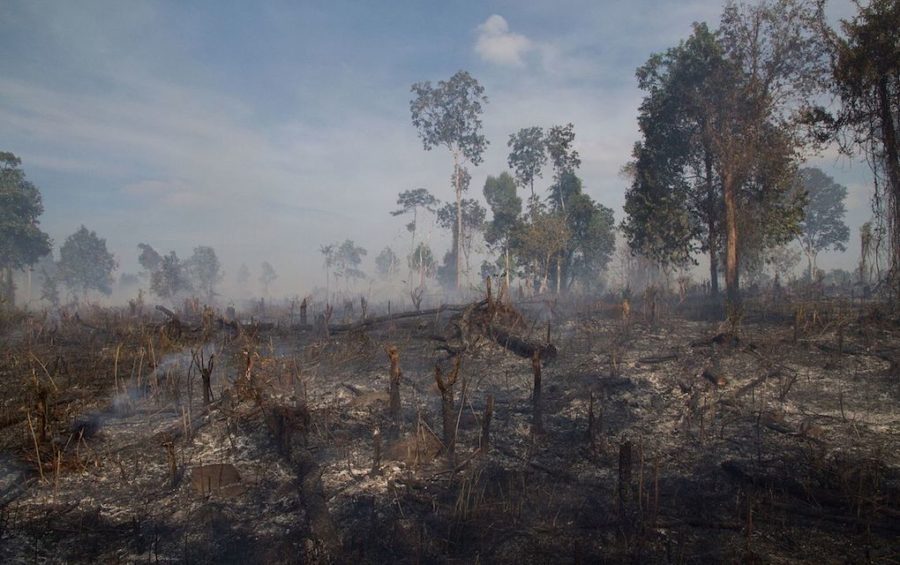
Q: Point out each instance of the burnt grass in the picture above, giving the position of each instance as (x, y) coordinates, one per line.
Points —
(666, 437)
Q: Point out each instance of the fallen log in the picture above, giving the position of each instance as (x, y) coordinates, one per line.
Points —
(522, 346)
(368, 322)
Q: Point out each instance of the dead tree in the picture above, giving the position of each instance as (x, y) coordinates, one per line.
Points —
(537, 424)
(303, 306)
(394, 405)
(449, 415)
(205, 367)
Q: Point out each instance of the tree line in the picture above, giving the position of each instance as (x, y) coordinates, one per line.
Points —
(727, 117)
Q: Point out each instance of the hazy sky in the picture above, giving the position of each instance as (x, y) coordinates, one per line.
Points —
(267, 130)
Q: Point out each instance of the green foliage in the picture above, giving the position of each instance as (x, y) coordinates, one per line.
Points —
(537, 243)
(560, 147)
(673, 207)
(867, 81)
(449, 115)
(85, 264)
(22, 242)
(528, 155)
(721, 126)
(591, 243)
(506, 207)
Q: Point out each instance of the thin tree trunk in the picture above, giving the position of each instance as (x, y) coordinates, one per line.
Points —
(458, 241)
(507, 268)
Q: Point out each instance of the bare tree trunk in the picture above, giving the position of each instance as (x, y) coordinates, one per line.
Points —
(732, 266)
(458, 241)
(507, 266)
(559, 274)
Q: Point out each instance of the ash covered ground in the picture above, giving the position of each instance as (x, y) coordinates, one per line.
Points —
(662, 436)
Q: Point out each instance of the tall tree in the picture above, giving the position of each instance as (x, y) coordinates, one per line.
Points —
(205, 270)
(823, 224)
(591, 240)
(777, 56)
(22, 242)
(527, 155)
(170, 278)
(85, 264)
(674, 205)
(506, 207)
(723, 113)
(449, 115)
(866, 69)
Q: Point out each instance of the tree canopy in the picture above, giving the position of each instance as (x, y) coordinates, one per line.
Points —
(822, 226)
(866, 71)
(722, 127)
(85, 264)
(205, 271)
(449, 115)
(22, 242)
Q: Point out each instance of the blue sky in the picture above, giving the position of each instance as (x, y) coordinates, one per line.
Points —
(267, 130)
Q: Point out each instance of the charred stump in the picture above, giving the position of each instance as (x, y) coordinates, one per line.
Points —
(449, 416)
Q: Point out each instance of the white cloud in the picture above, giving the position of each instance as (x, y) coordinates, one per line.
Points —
(496, 44)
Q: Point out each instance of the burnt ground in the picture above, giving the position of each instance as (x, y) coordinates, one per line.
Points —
(667, 440)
